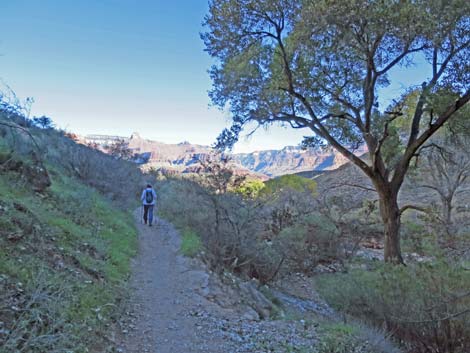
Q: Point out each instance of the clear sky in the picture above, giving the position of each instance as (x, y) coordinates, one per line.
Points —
(119, 66)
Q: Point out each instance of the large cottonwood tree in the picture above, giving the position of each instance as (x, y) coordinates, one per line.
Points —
(322, 64)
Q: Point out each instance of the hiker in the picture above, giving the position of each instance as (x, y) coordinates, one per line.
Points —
(148, 198)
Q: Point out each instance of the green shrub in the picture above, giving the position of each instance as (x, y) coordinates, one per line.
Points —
(352, 338)
(191, 244)
(417, 239)
(425, 306)
(338, 338)
(313, 240)
(289, 182)
(250, 188)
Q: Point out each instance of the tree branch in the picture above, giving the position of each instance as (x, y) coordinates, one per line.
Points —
(343, 101)
(426, 88)
(399, 58)
(384, 137)
(413, 207)
(354, 186)
(418, 142)
(14, 126)
(451, 316)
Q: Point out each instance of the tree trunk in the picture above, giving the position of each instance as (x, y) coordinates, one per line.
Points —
(217, 215)
(447, 218)
(390, 213)
(447, 209)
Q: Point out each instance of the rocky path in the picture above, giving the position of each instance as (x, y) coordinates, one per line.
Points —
(173, 308)
(166, 314)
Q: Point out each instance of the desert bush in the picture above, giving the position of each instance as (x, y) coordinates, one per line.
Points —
(230, 227)
(355, 225)
(417, 237)
(190, 243)
(120, 180)
(352, 338)
(287, 199)
(250, 188)
(120, 150)
(183, 202)
(290, 181)
(64, 253)
(424, 306)
(311, 241)
(285, 226)
(43, 122)
(254, 236)
(41, 325)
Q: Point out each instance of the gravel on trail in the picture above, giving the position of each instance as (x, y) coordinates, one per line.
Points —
(167, 314)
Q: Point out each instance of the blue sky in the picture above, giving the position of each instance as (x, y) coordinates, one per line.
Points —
(119, 66)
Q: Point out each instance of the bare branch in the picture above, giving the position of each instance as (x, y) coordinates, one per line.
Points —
(14, 126)
(451, 316)
(354, 186)
(398, 59)
(413, 207)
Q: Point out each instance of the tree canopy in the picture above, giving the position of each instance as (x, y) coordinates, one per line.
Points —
(321, 65)
(289, 182)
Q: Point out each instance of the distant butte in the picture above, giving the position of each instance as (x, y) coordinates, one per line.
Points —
(183, 157)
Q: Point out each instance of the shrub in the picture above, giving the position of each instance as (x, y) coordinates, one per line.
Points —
(64, 253)
(425, 306)
(230, 227)
(289, 182)
(313, 240)
(417, 239)
(121, 181)
(253, 237)
(49, 149)
(190, 243)
(250, 188)
(338, 338)
(352, 338)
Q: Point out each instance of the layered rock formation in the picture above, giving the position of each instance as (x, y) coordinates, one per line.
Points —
(184, 157)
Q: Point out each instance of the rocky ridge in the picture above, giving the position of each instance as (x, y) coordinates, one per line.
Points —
(183, 157)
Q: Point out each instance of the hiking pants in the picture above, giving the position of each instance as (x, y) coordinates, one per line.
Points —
(148, 214)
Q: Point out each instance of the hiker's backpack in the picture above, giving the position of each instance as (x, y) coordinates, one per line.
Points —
(148, 196)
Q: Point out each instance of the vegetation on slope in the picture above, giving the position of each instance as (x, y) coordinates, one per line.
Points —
(425, 305)
(63, 261)
(65, 244)
(286, 226)
(321, 66)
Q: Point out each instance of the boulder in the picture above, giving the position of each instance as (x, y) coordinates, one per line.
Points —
(38, 176)
(257, 300)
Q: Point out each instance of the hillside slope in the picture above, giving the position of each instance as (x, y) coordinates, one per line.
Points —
(349, 180)
(65, 247)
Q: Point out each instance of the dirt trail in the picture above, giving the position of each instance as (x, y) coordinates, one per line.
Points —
(166, 313)
(176, 306)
